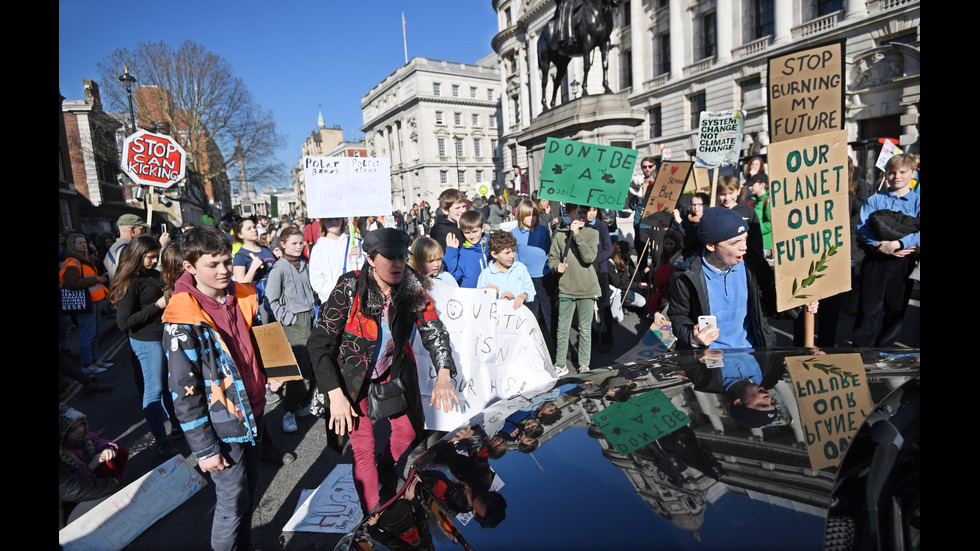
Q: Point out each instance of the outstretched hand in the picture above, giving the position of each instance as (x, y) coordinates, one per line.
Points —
(442, 393)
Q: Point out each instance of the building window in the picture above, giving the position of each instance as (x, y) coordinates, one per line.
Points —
(626, 14)
(476, 119)
(479, 175)
(506, 17)
(751, 89)
(489, 94)
(663, 55)
(66, 215)
(442, 146)
(473, 92)
(493, 149)
(458, 119)
(438, 117)
(827, 7)
(443, 176)
(477, 150)
(493, 121)
(698, 103)
(626, 70)
(459, 148)
(455, 90)
(496, 175)
(460, 176)
(764, 14)
(709, 42)
(656, 125)
(436, 89)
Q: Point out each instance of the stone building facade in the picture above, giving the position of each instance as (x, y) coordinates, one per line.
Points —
(671, 59)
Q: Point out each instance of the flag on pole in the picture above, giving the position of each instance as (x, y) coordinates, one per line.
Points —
(404, 26)
(404, 38)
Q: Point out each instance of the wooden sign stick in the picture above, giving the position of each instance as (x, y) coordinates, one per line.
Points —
(647, 244)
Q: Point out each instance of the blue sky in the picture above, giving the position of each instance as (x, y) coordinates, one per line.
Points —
(294, 56)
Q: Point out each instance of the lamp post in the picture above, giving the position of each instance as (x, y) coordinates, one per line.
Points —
(128, 80)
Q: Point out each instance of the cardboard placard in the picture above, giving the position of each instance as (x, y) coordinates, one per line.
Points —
(642, 420)
(833, 398)
(586, 174)
(719, 138)
(275, 353)
(338, 187)
(811, 238)
(668, 185)
(656, 341)
(806, 92)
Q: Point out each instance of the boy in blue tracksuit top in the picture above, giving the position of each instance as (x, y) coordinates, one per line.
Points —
(466, 260)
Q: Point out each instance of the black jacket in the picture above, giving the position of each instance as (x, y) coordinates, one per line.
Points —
(688, 299)
(442, 227)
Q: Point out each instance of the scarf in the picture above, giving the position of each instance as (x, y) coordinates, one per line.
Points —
(295, 261)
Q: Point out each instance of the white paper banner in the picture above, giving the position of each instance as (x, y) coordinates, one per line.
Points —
(347, 186)
(332, 508)
(498, 352)
(126, 514)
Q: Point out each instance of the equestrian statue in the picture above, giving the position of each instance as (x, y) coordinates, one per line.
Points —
(576, 28)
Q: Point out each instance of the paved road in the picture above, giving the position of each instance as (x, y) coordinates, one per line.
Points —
(117, 415)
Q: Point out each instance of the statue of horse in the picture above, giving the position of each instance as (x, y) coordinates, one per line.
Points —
(591, 25)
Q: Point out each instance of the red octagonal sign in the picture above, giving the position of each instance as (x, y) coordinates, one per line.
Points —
(153, 159)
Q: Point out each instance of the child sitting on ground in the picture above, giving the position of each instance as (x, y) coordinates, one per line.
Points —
(84, 452)
(506, 275)
(466, 260)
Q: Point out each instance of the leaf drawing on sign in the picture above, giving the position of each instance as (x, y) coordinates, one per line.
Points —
(814, 273)
(559, 168)
(825, 368)
(606, 177)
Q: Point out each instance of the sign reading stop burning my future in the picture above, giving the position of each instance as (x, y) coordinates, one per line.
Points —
(810, 218)
(586, 174)
(153, 159)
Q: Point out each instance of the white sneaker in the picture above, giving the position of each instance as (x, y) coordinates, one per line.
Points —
(561, 370)
(583, 369)
(289, 422)
(93, 370)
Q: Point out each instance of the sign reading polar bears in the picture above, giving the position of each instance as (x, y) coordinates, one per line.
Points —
(498, 352)
(338, 187)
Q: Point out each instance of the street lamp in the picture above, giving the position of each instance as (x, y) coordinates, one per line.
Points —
(128, 80)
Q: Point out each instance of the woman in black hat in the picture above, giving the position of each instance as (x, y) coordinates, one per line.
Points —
(361, 342)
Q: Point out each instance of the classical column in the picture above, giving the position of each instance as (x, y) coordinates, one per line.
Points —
(723, 30)
(639, 36)
(676, 40)
(855, 9)
(783, 22)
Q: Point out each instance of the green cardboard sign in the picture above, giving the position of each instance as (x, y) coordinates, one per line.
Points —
(642, 420)
(586, 174)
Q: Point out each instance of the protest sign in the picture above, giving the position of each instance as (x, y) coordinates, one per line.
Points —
(810, 218)
(833, 398)
(126, 514)
(806, 92)
(642, 420)
(888, 150)
(333, 508)
(347, 186)
(586, 174)
(275, 353)
(483, 189)
(719, 138)
(667, 188)
(654, 342)
(498, 352)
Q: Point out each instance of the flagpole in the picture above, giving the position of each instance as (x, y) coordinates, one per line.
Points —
(404, 39)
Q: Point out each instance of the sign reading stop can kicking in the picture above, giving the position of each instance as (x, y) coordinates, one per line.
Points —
(153, 159)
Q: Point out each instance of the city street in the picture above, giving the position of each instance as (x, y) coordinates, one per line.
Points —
(117, 415)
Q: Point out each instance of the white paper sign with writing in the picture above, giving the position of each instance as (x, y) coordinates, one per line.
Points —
(332, 508)
(126, 514)
(347, 186)
(498, 352)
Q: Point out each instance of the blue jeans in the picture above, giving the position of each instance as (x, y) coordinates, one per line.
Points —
(157, 404)
(89, 328)
(235, 489)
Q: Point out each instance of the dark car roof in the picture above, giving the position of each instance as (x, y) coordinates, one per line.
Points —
(708, 483)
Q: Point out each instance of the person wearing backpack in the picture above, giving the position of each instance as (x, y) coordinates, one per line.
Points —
(758, 187)
(129, 226)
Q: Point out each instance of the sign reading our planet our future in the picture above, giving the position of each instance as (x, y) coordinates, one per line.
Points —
(582, 173)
